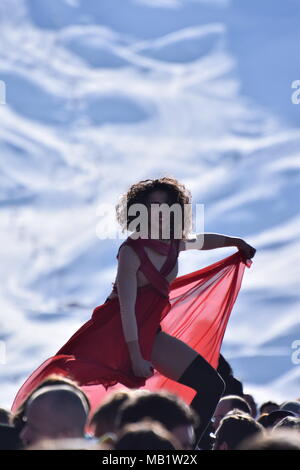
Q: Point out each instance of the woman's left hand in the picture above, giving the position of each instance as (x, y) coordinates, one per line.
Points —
(247, 250)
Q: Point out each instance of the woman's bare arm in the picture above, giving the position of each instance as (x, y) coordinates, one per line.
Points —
(210, 241)
(128, 264)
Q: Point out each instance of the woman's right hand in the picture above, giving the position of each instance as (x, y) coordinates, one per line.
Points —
(247, 250)
(142, 368)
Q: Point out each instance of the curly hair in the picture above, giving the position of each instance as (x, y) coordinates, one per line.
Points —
(138, 193)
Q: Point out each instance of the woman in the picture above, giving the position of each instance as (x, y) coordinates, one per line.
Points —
(123, 341)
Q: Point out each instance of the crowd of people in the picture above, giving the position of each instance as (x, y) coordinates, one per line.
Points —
(57, 415)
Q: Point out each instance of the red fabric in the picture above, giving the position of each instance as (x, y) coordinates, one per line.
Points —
(196, 311)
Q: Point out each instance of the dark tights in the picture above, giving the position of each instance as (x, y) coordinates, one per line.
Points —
(209, 385)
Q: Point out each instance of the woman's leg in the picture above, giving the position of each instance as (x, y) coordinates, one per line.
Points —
(209, 385)
(178, 361)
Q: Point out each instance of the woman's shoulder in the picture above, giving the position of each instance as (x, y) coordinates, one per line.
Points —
(126, 246)
(126, 253)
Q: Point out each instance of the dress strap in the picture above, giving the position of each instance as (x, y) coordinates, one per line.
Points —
(156, 277)
(149, 270)
(172, 258)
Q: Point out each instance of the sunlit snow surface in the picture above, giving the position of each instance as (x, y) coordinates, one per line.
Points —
(102, 93)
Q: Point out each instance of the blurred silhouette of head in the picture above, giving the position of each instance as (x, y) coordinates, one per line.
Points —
(51, 380)
(54, 411)
(146, 435)
(227, 404)
(289, 422)
(104, 418)
(293, 406)
(167, 408)
(234, 428)
(276, 416)
(268, 407)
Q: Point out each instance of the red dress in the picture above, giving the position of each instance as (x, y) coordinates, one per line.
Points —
(194, 307)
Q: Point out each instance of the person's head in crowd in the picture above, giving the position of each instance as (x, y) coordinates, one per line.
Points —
(51, 380)
(278, 415)
(146, 435)
(104, 418)
(165, 407)
(278, 439)
(234, 428)
(54, 411)
(263, 420)
(5, 416)
(288, 422)
(293, 406)
(227, 404)
(267, 407)
(232, 385)
(9, 438)
(251, 402)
